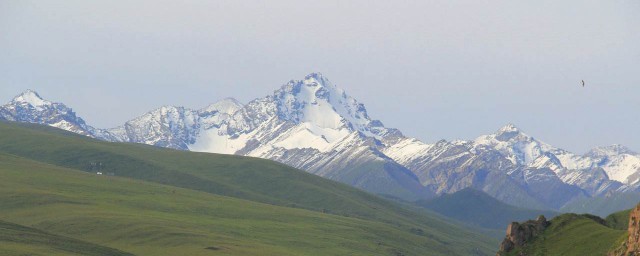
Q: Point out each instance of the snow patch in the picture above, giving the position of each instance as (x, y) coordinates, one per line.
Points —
(32, 98)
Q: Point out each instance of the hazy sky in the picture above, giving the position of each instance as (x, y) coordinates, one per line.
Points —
(433, 69)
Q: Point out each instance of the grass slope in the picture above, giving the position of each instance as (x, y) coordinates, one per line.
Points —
(229, 204)
(236, 176)
(478, 208)
(573, 234)
(151, 219)
(618, 220)
(20, 240)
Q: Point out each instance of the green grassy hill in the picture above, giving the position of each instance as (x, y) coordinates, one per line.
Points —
(20, 240)
(573, 234)
(618, 220)
(478, 208)
(167, 202)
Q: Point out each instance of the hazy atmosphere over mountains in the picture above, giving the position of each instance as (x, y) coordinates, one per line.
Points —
(316, 126)
(413, 63)
(337, 127)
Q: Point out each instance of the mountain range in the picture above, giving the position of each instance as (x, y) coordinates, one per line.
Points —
(313, 125)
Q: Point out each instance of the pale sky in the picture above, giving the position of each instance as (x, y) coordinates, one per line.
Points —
(433, 69)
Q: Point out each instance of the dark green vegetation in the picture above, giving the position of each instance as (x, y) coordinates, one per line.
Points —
(167, 202)
(573, 234)
(21, 240)
(618, 220)
(478, 208)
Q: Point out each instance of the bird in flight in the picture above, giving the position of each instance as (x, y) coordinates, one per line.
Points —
(582, 83)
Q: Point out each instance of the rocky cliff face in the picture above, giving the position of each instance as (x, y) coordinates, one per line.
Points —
(518, 234)
(633, 243)
(631, 246)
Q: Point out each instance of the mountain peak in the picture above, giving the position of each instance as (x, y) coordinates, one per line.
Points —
(508, 128)
(317, 76)
(32, 98)
(316, 100)
(320, 81)
(508, 132)
(226, 105)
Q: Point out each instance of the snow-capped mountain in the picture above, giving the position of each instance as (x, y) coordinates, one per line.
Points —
(447, 167)
(29, 107)
(313, 125)
(599, 171)
(173, 127)
(321, 116)
(619, 162)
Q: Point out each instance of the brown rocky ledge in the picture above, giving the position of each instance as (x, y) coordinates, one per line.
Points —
(518, 234)
(633, 243)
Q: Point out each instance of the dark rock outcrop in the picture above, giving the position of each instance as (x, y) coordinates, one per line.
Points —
(518, 234)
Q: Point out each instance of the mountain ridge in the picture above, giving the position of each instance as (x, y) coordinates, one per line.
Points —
(313, 125)
(478, 208)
